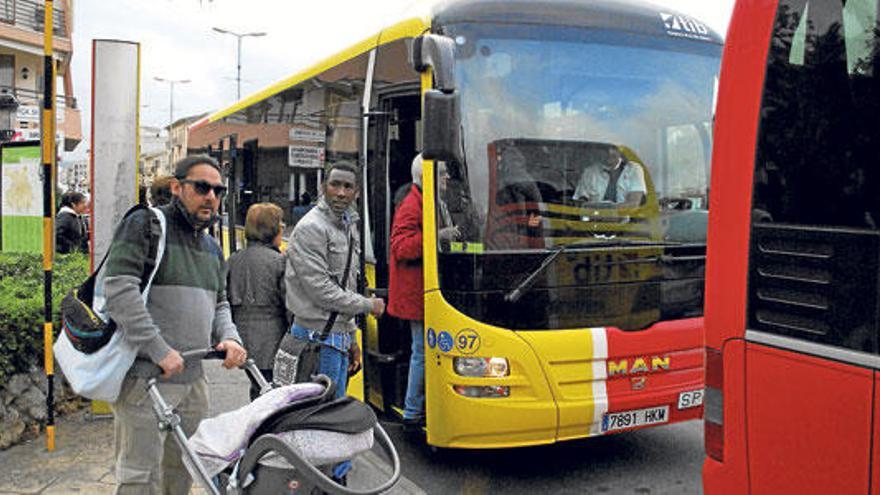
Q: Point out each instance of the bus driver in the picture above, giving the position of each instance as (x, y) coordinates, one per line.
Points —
(614, 181)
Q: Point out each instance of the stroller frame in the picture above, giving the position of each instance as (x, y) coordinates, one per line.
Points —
(169, 421)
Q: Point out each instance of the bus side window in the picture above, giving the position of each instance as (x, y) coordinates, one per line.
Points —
(819, 127)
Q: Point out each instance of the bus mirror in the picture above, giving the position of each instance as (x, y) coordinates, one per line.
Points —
(442, 126)
(438, 53)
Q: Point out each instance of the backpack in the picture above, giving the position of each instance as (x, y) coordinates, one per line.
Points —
(89, 329)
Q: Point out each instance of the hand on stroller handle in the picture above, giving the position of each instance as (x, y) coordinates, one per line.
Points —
(249, 365)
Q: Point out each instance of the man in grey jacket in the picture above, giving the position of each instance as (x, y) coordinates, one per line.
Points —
(186, 309)
(316, 259)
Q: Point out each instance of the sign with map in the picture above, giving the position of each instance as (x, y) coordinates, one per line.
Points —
(21, 208)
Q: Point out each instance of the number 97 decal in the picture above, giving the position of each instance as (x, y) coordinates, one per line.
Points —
(467, 341)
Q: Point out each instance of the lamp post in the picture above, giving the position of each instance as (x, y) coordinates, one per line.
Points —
(239, 36)
(171, 83)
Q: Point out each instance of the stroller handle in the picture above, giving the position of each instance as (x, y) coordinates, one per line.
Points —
(273, 443)
(249, 366)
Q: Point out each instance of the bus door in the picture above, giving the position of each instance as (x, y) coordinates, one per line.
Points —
(812, 306)
(394, 124)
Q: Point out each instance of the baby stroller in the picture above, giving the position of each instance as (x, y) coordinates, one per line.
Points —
(286, 441)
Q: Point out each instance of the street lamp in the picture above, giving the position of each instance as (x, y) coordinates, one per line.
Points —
(171, 83)
(238, 61)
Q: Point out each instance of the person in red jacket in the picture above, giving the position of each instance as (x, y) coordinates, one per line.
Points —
(406, 283)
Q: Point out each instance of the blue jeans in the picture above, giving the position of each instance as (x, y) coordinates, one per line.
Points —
(414, 406)
(332, 362)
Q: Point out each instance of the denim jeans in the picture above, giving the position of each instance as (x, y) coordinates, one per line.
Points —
(332, 362)
(414, 406)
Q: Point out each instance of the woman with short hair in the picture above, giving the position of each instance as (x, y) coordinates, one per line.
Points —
(256, 287)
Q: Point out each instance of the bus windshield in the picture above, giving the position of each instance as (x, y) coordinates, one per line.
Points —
(595, 139)
(573, 134)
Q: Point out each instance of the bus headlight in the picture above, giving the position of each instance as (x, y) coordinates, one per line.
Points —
(492, 367)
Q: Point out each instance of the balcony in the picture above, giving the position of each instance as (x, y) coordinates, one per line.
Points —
(21, 23)
(27, 96)
(29, 14)
(26, 120)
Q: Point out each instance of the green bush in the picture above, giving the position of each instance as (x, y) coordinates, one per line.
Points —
(21, 305)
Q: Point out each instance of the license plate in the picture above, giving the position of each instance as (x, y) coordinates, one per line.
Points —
(687, 400)
(638, 417)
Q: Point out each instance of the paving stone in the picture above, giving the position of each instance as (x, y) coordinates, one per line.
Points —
(90, 488)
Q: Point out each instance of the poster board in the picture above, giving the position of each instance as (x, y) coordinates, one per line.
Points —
(114, 157)
(21, 199)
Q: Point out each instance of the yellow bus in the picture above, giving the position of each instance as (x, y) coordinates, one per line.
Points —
(589, 323)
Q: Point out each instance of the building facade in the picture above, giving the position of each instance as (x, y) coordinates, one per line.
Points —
(178, 137)
(21, 68)
(73, 175)
(153, 159)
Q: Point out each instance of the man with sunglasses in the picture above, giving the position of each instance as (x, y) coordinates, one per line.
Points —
(187, 309)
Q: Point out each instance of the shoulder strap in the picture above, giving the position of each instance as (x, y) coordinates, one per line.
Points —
(156, 250)
(332, 319)
(158, 240)
(128, 213)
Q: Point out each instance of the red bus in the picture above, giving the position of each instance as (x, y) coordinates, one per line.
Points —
(794, 253)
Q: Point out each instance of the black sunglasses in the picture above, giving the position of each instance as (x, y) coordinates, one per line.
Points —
(204, 187)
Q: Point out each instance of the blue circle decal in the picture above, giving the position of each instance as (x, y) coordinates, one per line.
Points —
(432, 338)
(444, 341)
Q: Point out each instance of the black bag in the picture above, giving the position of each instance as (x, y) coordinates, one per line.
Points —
(297, 360)
(86, 330)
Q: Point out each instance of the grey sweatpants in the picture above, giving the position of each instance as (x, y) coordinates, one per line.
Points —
(148, 461)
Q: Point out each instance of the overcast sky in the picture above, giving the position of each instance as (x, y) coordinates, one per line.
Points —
(177, 42)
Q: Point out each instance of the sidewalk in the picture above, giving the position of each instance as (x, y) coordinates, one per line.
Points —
(83, 458)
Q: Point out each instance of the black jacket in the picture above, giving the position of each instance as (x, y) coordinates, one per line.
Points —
(70, 232)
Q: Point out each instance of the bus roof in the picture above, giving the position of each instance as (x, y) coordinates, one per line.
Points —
(625, 15)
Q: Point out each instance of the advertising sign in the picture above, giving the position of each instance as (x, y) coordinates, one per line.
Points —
(21, 207)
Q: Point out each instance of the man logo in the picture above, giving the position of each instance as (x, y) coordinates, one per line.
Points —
(639, 365)
(685, 27)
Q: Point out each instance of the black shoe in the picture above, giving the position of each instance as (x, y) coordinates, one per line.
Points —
(413, 425)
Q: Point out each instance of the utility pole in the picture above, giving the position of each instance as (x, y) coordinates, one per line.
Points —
(239, 36)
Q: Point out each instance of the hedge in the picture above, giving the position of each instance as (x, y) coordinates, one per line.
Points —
(21, 305)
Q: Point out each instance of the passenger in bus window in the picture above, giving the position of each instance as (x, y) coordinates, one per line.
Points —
(613, 180)
(517, 222)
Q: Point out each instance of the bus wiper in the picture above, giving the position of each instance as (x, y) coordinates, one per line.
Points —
(521, 288)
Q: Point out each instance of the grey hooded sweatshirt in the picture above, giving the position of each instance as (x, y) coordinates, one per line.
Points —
(315, 262)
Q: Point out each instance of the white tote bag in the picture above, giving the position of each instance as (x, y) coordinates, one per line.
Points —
(99, 375)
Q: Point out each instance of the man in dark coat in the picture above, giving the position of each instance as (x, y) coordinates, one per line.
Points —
(71, 232)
